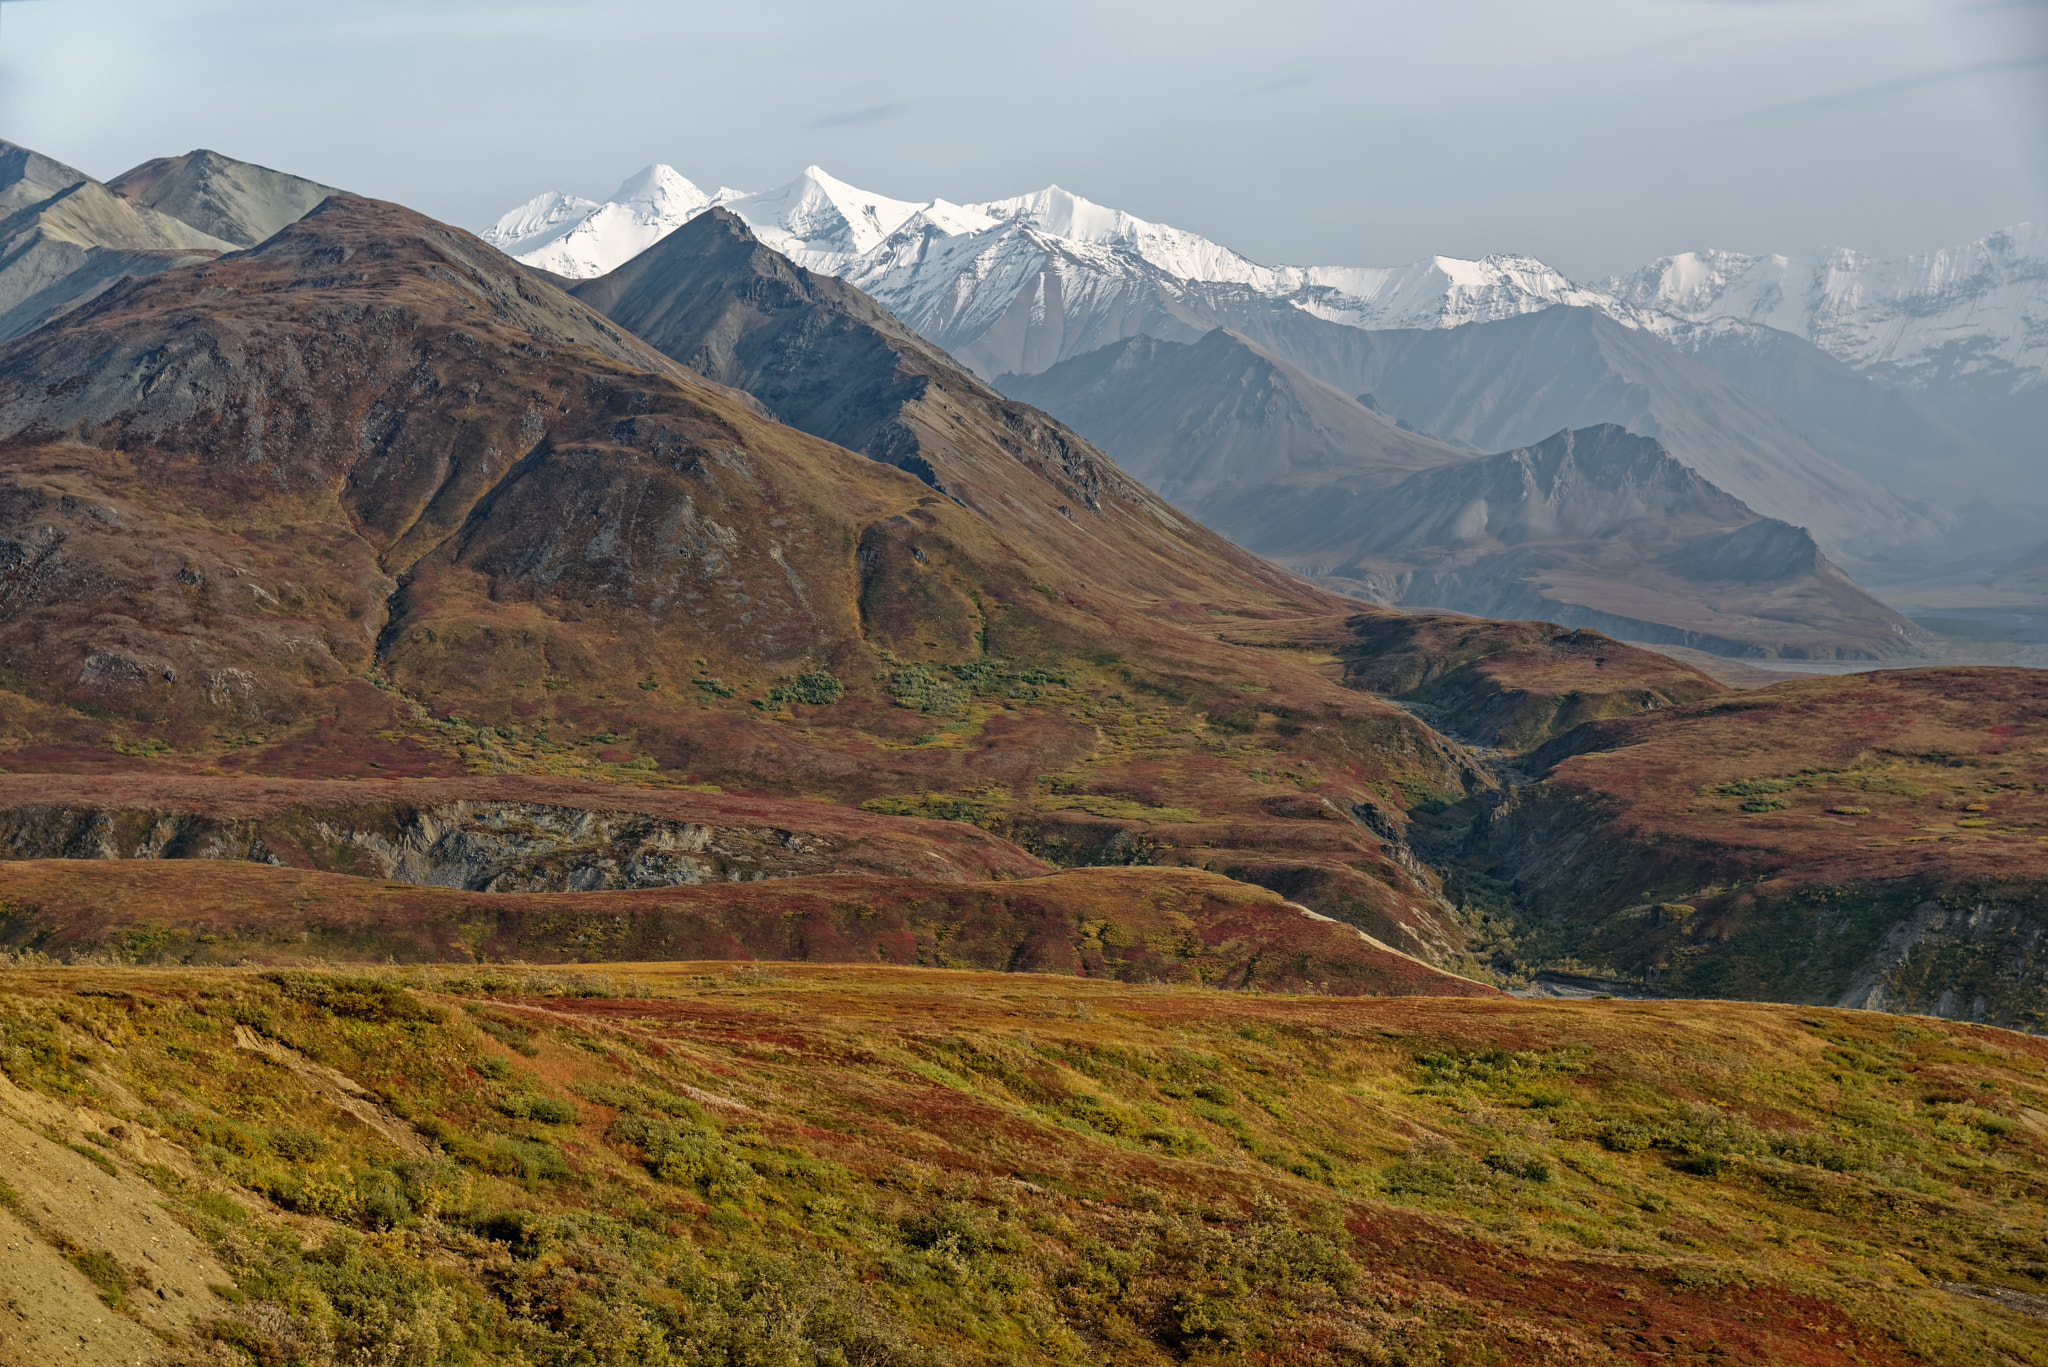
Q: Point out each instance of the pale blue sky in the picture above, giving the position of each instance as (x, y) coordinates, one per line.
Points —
(1596, 134)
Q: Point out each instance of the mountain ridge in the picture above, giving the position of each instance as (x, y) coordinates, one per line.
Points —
(1844, 302)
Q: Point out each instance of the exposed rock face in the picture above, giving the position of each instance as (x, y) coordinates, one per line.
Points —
(485, 834)
(1865, 840)
(482, 846)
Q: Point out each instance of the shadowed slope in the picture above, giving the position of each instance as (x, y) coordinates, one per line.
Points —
(1599, 528)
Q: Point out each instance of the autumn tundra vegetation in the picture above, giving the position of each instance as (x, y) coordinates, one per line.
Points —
(672, 823)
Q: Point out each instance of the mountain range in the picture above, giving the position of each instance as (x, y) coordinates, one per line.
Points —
(1971, 316)
(367, 499)
(1763, 378)
(1597, 528)
(662, 817)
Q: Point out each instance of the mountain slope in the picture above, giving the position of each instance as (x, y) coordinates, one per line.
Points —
(1883, 434)
(28, 177)
(1919, 321)
(62, 251)
(692, 1163)
(1601, 528)
(234, 200)
(577, 238)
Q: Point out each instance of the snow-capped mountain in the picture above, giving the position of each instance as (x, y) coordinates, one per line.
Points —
(1978, 311)
(579, 238)
(1017, 285)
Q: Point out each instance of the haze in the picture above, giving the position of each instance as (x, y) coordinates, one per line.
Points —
(1595, 134)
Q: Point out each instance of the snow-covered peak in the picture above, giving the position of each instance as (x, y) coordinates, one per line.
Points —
(1980, 307)
(579, 239)
(540, 220)
(821, 222)
(1063, 214)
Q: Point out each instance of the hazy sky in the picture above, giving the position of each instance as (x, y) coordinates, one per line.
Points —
(1596, 134)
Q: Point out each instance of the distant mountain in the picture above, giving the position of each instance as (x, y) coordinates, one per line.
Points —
(1014, 286)
(580, 238)
(61, 251)
(1602, 528)
(1886, 435)
(1230, 432)
(233, 200)
(1596, 528)
(955, 273)
(1918, 320)
(28, 177)
(1497, 385)
(63, 247)
(824, 358)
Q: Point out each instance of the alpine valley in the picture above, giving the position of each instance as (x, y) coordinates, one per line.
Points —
(801, 778)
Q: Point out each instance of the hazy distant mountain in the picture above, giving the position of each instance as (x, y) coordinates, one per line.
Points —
(1597, 528)
(1886, 435)
(1497, 385)
(1015, 286)
(1230, 432)
(1979, 308)
(62, 247)
(233, 200)
(1602, 528)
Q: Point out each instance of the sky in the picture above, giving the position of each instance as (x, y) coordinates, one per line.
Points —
(1594, 134)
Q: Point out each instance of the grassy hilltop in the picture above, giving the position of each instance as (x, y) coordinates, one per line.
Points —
(806, 1164)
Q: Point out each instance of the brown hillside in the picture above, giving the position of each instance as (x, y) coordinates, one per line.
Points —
(374, 447)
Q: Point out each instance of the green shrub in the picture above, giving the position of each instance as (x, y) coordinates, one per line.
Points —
(547, 1110)
(106, 1275)
(525, 1232)
(715, 687)
(814, 687)
(364, 999)
(1529, 1167)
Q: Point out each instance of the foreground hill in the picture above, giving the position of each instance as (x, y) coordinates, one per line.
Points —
(685, 1164)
